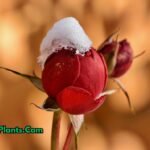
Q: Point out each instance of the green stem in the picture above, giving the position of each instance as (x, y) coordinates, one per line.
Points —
(55, 131)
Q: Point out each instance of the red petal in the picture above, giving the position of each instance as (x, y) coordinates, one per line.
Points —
(93, 73)
(124, 59)
(98, 103)
(76, 100)
(61, 70)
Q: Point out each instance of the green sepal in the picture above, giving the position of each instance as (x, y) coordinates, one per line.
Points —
(121, 86)
(112, 59)
(48, 105)
(107, 40)
(36, 81)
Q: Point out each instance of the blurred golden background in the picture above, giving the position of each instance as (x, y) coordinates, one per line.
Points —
(23, 24)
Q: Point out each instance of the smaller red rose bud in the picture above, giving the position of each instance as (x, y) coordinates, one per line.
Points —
(118, 56)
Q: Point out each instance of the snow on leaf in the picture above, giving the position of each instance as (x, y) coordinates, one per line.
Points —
(105, 93)
(77, 121)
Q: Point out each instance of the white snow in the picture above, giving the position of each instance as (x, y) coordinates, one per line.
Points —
(65, 33)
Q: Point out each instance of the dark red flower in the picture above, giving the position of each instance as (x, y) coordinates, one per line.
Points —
(120, 64)
(75, 81)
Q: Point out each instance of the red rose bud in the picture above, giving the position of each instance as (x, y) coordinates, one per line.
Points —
(75, 81)
(118, 56)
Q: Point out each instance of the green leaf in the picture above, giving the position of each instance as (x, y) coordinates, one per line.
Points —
(36, 81)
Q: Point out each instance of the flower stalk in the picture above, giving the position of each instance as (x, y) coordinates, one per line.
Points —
(55, 130)
(69, 137)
